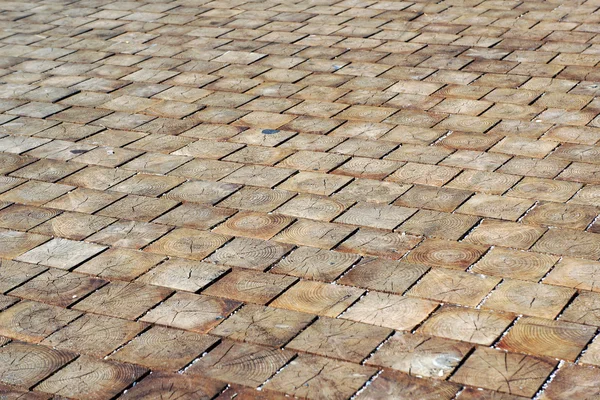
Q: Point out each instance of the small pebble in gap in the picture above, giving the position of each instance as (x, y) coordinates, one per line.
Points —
(269, 131)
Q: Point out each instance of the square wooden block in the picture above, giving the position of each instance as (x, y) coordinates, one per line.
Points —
(193, 312)
(446, 254)
(223, 363)
(58, 287)
(61, 253)
(457, 287)
(323, 235)
(420, 355)
(188, 243)
(263, 325)
(317, 377)
(543, 337)
(528, 298)
(316, 264)
(95, 335)
(384, 275)
(397, 385)
(390, 310)
(341, 339)
(367, 241)
(254, 225)
(250, 286)
(318, 298)
(161, 348)
(32, 321)
(467, 324)
(123, 300)
(497, 370)
(23, 364)
(111, 379)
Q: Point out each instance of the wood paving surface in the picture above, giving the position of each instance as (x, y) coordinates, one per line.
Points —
(321, 199)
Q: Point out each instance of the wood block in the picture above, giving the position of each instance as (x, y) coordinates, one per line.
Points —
(206, 170)
(254, 225)
(384, 275)
(528, 298)
(484, 182)
(120, 263)
(259, 175)
(148, 185)
(14, 273)
(141, 208)
(130, 234)
(182, 274)
(74, 226)
(447, 254)
(58, 287)
(374, 242)
(504, 233)
(312, 207)
(250, 286)
(424, 174)
(188, 243)
(390, 310)
(583, 310)
(396, 385)
(256, 199)
(250, 253)
(433, 198)
(164, 349)
(103, 379)
(10, 392)
(367, 168)
(263, 325)
(506, 263)
(35, 193)
(438, 224)
(571, 216)
(483, 394)
(123, 299)
(420, 355)
(315, 264)
(61, 253)
(544, 189)
(313, 161)
(323, 235)
(242, 363)
(13, 243)
(84, 200)
(197, 216)
(499, 207)
(543, 337)
(315, 183)
(341, 339)
(32, 321)
(571, 243)
(24, 365)
(320, 378)
(467, 325)
(175, 386)
(498, 370)
(317, 298)
(575, 273)
(95, 335)
(23, 218)
(449, 286)
(201, 192)
(571, 382)
(197, 313)
(376, 215)
(371, 191)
